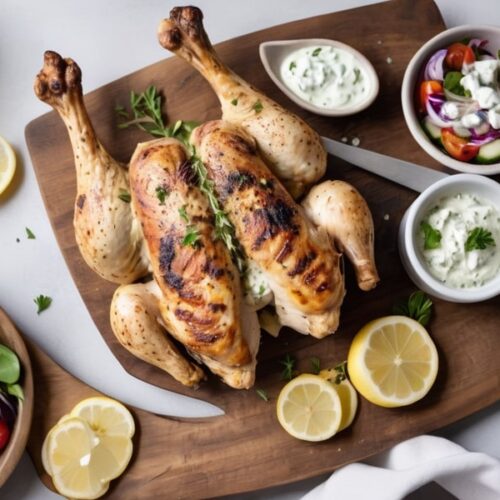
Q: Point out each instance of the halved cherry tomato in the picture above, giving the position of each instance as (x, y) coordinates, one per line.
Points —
(4, 434)
(458, 147)
(458, 54)
(428, 87)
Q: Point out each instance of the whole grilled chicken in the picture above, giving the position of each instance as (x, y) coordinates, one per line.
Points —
(106, 232)
(200, 300)
(291, 148)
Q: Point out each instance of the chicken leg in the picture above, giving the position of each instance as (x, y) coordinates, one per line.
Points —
(107, 235)
(343, 212)
(289, 146)
(298, 261)
(200, 286)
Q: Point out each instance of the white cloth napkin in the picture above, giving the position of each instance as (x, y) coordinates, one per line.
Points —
(410, 465)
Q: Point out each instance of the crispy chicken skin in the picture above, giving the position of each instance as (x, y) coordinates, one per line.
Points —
(291, 148)
(301, 265)
(200, 286)
(343, 212)
(106, 233)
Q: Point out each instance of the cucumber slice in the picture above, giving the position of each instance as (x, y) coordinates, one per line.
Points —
(489, 153)
(433, 131)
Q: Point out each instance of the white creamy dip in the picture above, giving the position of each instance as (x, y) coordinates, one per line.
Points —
(257, 292)
(455, 217)
(325, 76)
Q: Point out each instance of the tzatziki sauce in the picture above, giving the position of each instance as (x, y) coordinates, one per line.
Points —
(325, 76)
(459, 257)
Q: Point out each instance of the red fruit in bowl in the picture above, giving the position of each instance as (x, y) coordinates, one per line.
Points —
(4, 434)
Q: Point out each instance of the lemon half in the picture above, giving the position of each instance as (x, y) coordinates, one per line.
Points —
(393, 361)
(7, 164)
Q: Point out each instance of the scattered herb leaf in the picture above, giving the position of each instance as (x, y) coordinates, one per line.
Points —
(258, 107)
(289, 364)
(432, 237)
(29, 234)
(124, 196)
(315, 365)
(478, 239)
(292, 65)
(262, 290)
(341, 372)
(161, 194)
(418, 306)
(452, 83)
(234, 102)
(262, 394)
(316, 52)
(183, 214)
(43, 302)
(192, 237)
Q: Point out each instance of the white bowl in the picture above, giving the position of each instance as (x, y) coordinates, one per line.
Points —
(415, 66)
(409, 232)
(272, 55)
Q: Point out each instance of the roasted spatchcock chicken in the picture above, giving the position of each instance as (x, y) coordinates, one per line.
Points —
(259, 160)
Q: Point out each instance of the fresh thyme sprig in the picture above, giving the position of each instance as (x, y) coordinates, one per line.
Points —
(289, 367)
(146, 115)
(315, 365)
(262, 394)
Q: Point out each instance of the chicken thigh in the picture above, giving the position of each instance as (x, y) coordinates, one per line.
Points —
(291, 148)
(297, 259)
(107, 235)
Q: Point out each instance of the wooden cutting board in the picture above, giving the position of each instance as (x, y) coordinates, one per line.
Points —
(246, 449)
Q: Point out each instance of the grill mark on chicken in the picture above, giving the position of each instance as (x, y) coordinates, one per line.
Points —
(275, 218)
(213, 270)
(187, 174)
(167, 255)
(81, 201)
(302, 264)
(217, 307)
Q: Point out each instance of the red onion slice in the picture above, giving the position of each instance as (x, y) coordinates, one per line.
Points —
(434, 69)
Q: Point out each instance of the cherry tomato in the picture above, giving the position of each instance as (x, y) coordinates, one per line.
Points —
(4, 434)
(458, 147)
(428, 87)
(458, 54)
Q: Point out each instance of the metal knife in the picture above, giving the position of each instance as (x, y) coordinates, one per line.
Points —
(402, 172)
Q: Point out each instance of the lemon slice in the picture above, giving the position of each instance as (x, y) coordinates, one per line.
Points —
(69, 452)
(392, 361)
(7, 164)
(45, 446)
(309, 408)
(347, 394)
(105, 416)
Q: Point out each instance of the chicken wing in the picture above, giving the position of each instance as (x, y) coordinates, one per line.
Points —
(343, 212)
(199, 283)
(291, 148)
(298, 260)
(106, 233)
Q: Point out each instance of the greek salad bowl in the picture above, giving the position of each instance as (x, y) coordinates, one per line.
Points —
(451, 98)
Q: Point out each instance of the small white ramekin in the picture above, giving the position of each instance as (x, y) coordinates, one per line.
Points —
(409, 232)
(412, 73)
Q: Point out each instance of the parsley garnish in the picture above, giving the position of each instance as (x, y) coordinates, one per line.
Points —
(293, 65)
(191, 238)
(124, 196)
(258, 107)
(183, 214)
(432, 237)
(29, 234)
(316, 52)
(452, 83)
(315, 365)
(341, 372)
(478, 239)
(234, 102)
(43, 302)
(262, 394)
(418, 306)
(262, 290)
(161, 194)
(288, 372)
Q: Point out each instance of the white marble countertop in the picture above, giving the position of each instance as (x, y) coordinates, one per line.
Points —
(110, 39)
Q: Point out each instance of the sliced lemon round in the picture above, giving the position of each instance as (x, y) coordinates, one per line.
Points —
(347, 394)
(309, 408)
(45, 446)
(393, 361)
(7, 164)
(69, 452)
(105, 416)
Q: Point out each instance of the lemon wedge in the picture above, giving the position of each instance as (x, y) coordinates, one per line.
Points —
(309, 408)
(7, 164)
(89, 447)
(347, 394)
(392, 361)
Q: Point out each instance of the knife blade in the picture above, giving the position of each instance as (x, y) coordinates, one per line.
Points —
(402, 172)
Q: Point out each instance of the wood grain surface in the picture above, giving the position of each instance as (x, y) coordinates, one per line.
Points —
(246, 449)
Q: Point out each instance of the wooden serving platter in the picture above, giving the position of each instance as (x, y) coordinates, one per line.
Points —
(246, 449)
